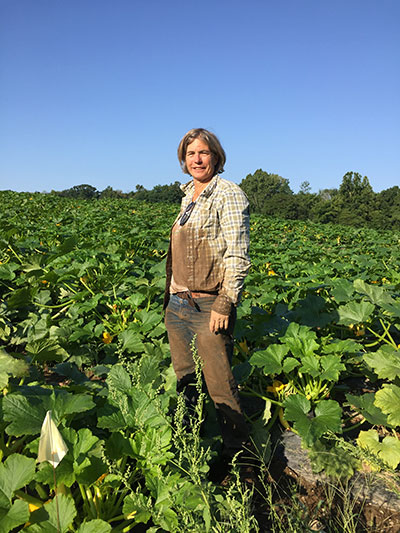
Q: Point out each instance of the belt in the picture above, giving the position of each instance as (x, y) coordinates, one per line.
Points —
(189, 295)
(186, 295)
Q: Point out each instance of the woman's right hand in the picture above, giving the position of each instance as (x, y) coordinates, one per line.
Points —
(218, 322)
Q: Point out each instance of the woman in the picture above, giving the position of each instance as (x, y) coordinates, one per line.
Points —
(207, 263)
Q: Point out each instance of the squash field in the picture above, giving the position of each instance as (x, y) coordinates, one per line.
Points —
(81, 334)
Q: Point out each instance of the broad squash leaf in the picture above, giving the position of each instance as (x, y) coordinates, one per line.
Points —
(365, 405)
(17, 515)
(45, 519)
(385, 362)
(311, 365)
(131, 341)
(331, 367)
(16, 472)
(26, 412)
(94, 526)
(355, 312)
(388, 400)
(343, 290)
(270, 359)
(388, 450)
(9, 366)
(327, 417)
(300, 340)
(377, 295)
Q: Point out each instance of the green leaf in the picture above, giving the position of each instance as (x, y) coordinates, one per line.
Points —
(46, 350)
(310, 365)
(289, 364)
(312, 312)
(388, 400)
(137, 507)
(94, 526)
(26, 412)
(270, 359)
(343, 290)
(385, 362)
(16, 472)
(17, 515)
(131, 341)
(9, 366)
(148, 319)
(149, 368)
(136, 299)
(7, 272)
(68, 404)
(118, 380)
(388, 450)
(300, 340)
(355, 313)
(296, 406)
(391, 451)
(331, 367)
(145, 410)
(112, 419)
(327, 417)
(67, 245)
(392, 309)
(20, 298)
(45, 519)
(342, 347)
(377, 295)
(25, 418)
(332, 460)
(365, 405)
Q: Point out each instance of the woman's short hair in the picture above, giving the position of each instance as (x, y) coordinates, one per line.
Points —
(213, 143)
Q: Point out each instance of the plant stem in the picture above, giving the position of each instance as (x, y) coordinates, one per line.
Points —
(254, 393)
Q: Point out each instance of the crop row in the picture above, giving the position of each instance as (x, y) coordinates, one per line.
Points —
(82, 335)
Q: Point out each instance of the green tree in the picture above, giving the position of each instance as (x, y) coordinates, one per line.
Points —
(356, 200)
(305, 187)
(109, 192)
(387, 214)
(260, 189)
(160, 193)
(84, 191)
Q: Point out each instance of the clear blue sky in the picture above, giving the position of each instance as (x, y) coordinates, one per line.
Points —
(101, 91)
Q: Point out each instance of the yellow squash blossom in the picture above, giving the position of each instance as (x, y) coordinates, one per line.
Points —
(33, 507)
(276, 387)
(107, 338)
(244, 347)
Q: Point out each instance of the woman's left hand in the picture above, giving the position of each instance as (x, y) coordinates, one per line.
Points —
(218, 322)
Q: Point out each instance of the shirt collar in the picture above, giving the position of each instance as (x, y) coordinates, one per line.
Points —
(188, 188)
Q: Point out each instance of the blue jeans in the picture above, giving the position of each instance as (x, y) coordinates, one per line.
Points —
(215, 350)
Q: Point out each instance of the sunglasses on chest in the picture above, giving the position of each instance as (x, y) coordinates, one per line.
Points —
(186, 214)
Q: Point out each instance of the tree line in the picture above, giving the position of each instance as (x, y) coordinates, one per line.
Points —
(354, 203)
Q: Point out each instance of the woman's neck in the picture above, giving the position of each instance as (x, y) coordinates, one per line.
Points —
(199, 187)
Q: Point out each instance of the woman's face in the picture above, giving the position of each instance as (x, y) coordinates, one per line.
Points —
(200, 161)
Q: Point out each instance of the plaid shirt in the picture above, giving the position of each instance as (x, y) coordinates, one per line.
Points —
(217, 250)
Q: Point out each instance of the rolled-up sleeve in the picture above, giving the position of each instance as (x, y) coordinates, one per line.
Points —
(234, 218)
